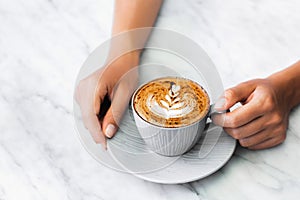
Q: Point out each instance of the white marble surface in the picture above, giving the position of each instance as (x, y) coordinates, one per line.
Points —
(42, 46)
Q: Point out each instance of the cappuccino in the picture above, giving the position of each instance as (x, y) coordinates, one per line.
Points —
(171, 102)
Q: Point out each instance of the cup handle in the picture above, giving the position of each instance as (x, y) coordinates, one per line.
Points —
(213, 111)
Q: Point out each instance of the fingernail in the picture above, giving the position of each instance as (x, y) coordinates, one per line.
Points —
(110, 130)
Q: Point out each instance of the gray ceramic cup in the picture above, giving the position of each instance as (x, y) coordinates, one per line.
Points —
(168, 141)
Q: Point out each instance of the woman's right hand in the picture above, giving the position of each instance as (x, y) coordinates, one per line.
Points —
(91, 93)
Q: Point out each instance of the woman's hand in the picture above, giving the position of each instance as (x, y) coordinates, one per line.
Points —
(107, 83)
(262, 120)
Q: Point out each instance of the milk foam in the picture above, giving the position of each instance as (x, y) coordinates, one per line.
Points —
(171, 102)
(172, 106)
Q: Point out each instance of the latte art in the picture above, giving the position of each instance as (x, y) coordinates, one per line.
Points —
(171, 102)
(172, 105)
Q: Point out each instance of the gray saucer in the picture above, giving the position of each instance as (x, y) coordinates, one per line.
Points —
(128, 149)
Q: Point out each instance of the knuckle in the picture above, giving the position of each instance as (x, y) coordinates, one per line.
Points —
(261, 103)
(282, 138)
(233, 121)
(236, 134)
(282, 130)
(230, 93)
(244, 142)
(268, 103)
(277, 118)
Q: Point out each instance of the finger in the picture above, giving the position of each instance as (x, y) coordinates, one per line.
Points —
(268, 143)
(92, 123)
(249, 129)
(88, 98)
(238, 93)
(256, 138)
(118, 106)
(89, 93)
(239, 116)
(99, 95)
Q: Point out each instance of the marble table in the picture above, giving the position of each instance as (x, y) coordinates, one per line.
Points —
(42, 47)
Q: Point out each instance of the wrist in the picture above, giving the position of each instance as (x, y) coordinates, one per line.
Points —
(286, 84)
(282, 90)
(136, 53)
(120, 65)
(131, 58)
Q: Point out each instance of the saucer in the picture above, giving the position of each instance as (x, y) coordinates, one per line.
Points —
(127, 148)
(166, 53)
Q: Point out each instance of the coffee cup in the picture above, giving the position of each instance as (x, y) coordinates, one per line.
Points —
(170, 114)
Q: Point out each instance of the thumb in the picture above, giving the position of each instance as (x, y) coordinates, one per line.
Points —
(238, 93)
(114, 114)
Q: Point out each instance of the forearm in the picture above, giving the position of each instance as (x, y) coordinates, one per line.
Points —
(289, 81)
(132, 14)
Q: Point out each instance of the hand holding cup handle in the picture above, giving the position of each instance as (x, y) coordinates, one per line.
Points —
(262, 119)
